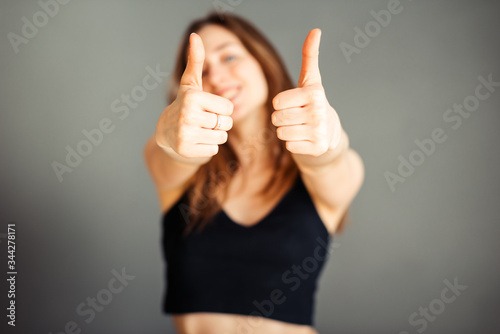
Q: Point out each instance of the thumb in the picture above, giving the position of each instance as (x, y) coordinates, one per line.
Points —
(194, 68)
(309, 73)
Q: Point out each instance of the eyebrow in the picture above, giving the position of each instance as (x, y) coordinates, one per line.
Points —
(224, 45)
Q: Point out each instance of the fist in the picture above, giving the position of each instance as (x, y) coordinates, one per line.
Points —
(196, 123)
(303, 116)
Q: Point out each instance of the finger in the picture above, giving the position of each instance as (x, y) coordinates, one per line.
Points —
(290, 116)
(209, 120)
(309, 72)
(194, 68)
(293, 132)
(292, 98)
(301, 147)
(204, 150)
(214, 103)
(206, 136)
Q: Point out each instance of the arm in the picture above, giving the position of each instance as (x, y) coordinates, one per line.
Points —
(332, 172)
(333, 179)
(184, 138)
(168, 169)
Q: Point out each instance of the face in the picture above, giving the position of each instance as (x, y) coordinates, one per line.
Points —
(231, 71)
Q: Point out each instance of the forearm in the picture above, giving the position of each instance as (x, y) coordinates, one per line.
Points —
(311, 164)
(169, 169)
(176, 158)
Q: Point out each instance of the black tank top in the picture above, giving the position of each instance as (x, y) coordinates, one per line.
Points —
(269, 269)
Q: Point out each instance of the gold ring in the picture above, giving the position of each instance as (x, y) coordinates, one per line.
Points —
(219, 123)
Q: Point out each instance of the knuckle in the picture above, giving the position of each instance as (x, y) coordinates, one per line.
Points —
(190, 93)
(274, 118)
(276, 101)
(183, 118)
(279, 132)
(322, 146)
(318, 138)
(214, 150)
(223, 137)
(229, 107)
(189, 152)
(190, 97)
(191, 117)
(318, 118)
(230, 122)
(183, 138)
(317, 96)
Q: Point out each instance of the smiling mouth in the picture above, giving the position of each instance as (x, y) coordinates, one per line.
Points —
(230, 93)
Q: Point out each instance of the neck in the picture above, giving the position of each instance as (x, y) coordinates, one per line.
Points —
(250, 139)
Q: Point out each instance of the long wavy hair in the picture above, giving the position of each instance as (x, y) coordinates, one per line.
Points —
(213, 178)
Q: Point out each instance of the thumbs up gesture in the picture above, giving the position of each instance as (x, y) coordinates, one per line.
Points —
(303, 116)
(197, 121)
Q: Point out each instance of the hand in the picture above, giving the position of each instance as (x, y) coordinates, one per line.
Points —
(187, 124)
(303, 116)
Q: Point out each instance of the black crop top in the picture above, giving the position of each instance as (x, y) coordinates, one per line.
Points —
(269, 269)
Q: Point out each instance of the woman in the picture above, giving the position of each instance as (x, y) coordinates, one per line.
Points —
(253, 175)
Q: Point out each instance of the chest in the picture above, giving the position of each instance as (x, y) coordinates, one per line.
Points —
(245, 205)
(281, 236)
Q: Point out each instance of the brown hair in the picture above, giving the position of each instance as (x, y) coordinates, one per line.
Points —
(214, 176)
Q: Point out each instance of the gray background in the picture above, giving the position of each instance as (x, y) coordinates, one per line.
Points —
(440, 224)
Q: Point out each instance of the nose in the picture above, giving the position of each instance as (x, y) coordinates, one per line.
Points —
(215, 76)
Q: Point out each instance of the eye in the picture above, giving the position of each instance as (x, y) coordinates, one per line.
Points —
(229, 58)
